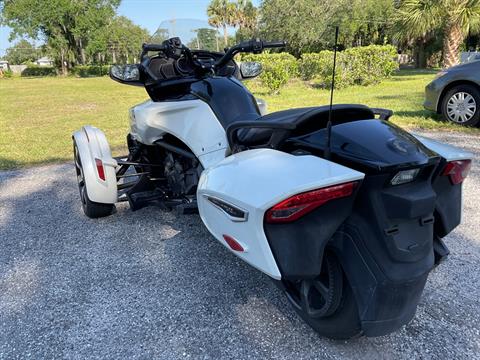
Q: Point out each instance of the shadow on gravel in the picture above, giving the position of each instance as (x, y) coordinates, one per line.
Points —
(150, 284)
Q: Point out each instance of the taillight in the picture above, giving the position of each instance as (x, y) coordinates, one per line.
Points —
(100, 169)
(298, 205)
(457, 170)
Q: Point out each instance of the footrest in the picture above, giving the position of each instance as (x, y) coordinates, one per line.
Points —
(139, 200)
(187, 209)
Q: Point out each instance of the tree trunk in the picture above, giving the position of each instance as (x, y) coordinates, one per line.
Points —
(451, 44)
(114, 57)
(420, 54)
(83, 57)
(225, 35)
(62, 59)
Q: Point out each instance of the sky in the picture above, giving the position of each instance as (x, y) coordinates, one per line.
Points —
(147, 13)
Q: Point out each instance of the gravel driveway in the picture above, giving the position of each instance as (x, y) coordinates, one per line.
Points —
(150, 284)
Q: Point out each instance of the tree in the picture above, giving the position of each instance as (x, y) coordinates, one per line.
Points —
(119, 41)
(306, 25)
(363, 22)
(22, 52)
(455, 18)
(221, 14)
(245, 15)
(66, 26)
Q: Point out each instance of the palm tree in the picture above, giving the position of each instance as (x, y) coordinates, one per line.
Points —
(221, 13)
(245, 15)
(418, 18)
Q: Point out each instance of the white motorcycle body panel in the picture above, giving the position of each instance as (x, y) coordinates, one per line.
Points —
(92, 144)
(191, 121)
(448, 152)
(254, 181)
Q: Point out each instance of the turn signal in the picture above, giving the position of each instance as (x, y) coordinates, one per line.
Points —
(457, 170)
(298, 205)
(100, 169)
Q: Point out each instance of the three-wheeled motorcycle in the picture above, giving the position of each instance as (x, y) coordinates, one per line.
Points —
(347, 222)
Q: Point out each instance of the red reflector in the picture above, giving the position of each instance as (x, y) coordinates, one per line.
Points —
(457, 170)
(100, 170)
(234, 245)
(298, 205)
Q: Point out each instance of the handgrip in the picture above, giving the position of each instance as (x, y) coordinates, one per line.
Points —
(153, 47)
(274, 44)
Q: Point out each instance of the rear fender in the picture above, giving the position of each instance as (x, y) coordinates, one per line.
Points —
(448, 206)
(234, 195)
(446, 151)
(92, 144)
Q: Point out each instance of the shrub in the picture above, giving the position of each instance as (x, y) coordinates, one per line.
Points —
(274, 77)
(90, 70)
(362, 66)
(6, 74)
(35, 70)
(277, 69)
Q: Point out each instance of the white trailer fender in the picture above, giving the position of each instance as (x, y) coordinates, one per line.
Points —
(234, 195)
(93, 146)
(448, 152)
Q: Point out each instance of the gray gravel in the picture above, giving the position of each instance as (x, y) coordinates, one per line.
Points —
(150, 284)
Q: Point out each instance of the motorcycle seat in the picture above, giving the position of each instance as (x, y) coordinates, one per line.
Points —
(303, 121)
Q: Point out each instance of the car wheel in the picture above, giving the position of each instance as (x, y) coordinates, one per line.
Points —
(327, 302)
(91, 209)
(461, 105)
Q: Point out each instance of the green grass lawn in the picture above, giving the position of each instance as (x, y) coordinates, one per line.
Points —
(38, 115)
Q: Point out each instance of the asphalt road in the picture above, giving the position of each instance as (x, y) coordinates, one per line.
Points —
(150, 284)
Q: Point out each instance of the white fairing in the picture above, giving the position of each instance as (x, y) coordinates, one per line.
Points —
(448, 152)
(92, 144)
(254, 181)
(191, 121)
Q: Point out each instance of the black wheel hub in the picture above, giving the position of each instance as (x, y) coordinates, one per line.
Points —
(321, 296)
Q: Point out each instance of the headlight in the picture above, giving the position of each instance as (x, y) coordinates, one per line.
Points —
(404, 176)
(440, 74)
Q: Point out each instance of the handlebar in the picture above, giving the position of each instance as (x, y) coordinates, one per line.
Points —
(274, 44)
(173, 47)
(153, 47)
(256, 46)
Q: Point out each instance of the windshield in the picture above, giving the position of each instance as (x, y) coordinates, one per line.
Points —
(195, 34)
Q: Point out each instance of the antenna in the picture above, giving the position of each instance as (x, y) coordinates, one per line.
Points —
(328, 150)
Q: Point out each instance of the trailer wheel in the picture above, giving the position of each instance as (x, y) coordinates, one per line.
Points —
(327, 302)
(91, 209)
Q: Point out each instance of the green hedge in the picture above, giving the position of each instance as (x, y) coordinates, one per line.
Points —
(355, 66)
(35, 70)
(277, 69)
(90, 70)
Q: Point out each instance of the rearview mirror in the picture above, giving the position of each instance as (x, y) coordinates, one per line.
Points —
(125, 74)
(250, 69)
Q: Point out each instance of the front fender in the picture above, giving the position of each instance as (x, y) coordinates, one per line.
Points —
(92, 144)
